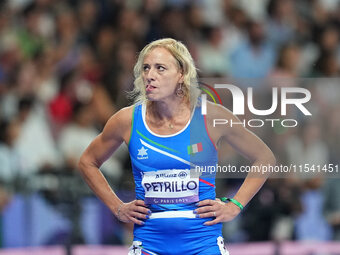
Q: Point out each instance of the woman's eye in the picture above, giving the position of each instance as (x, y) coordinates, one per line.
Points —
(161, 68)
(146, 68)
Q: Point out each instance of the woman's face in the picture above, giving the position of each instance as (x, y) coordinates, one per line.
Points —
(161, 75)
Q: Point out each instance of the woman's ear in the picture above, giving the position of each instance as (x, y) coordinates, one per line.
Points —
(181, 79)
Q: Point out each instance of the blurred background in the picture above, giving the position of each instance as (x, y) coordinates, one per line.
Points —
(65, 67)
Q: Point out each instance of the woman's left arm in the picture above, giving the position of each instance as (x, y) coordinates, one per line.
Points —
(254, 149)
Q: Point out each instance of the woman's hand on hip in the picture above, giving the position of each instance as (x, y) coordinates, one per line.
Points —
(135, 211)
(222, 212)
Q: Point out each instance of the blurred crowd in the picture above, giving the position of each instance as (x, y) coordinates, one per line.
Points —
(65, 68)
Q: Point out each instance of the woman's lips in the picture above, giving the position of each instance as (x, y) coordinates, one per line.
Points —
(149, 88)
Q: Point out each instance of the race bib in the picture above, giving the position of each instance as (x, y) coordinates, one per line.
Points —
(173, 186)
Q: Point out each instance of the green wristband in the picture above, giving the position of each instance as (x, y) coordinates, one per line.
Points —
(234, 201)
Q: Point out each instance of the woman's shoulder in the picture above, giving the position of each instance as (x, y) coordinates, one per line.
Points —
(214, 110)
(124, 114)
(122, 118)
(119, 125)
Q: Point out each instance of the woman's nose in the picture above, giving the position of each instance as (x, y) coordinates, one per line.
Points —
(150, 75)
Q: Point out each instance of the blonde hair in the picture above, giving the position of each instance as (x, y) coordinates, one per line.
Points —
(185, 63)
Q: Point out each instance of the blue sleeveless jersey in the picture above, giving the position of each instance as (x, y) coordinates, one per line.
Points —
(187, 149)
(160, 165)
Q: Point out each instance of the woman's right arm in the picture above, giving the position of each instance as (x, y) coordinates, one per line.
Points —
(116, 131)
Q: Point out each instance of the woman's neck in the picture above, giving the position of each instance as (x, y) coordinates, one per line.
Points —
(169, 110)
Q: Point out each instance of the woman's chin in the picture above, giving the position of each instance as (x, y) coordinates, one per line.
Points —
(151, 97)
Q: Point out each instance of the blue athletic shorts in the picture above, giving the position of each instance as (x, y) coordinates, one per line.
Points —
(178, 236)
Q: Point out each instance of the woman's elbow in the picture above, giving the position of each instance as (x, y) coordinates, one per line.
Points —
(84, 162)
(81, 163)
(87, 161)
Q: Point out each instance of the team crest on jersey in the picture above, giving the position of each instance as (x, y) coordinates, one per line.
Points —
(142, 153)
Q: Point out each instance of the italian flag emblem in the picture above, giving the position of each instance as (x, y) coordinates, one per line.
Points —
(194, 148)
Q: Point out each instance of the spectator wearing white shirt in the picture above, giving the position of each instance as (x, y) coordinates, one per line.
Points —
(35, 143)
(78, 134)
(10, 162)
